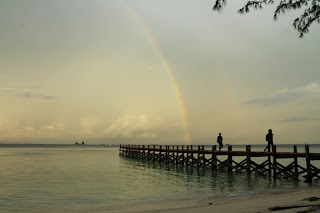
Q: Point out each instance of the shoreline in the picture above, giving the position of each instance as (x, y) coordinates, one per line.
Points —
(255, 203)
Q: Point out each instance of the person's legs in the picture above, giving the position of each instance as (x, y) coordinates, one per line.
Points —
(269, 146)
(220, 146)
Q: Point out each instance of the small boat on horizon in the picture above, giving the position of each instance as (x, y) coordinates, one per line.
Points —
(82, 143)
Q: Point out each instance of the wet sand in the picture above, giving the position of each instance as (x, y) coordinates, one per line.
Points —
(255, 203)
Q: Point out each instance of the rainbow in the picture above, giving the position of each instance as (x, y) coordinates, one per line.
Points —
(166, 67)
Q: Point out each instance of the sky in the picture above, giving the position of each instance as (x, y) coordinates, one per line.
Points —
(155, 72)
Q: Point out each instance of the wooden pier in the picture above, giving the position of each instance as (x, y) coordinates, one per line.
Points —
(226, 160)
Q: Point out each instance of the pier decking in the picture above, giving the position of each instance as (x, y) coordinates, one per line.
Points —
(212, 159)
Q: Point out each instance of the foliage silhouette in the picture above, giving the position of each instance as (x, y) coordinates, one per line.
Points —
(301, 24)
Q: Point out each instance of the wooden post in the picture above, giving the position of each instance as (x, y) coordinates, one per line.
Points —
(309, 174)
(274, 163)
(148, 152)
(230, 158)
(177, 158)
(127, 150)
(144, 152)
(213, 158)
(198, 158)
(173, 155)
(136, 151)
(122, 149)
(203, 158)
(139, 151)
(182, 155)
(248, 149)
(167, 160)
(187, 159)
(192, 155)
(269, 161)
(296, 171)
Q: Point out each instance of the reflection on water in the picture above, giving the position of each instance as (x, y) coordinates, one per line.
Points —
(93, 179)
(207, 183)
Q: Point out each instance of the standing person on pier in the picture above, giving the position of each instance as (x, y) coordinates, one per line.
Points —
(219, 141)
(269, 138)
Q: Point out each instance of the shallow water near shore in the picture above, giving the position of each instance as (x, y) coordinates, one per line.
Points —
(52, 178)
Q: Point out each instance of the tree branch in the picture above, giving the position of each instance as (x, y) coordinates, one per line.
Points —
(302, 24)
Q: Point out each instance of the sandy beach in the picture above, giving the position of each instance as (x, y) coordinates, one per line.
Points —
(256, 203)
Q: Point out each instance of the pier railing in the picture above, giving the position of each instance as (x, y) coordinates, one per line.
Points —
(226, 160)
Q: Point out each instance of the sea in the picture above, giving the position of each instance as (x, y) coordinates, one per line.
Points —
(94, 178)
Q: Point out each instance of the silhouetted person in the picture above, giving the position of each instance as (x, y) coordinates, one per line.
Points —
(269, 138)
(219, 141)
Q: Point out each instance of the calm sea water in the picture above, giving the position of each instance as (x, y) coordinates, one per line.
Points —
(57, 178)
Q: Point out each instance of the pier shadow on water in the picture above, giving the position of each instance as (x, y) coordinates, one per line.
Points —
(204, 183)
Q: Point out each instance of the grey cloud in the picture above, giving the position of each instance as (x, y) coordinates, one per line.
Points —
(47, 97)
(26, 93)
(287, 95)
(301, 118)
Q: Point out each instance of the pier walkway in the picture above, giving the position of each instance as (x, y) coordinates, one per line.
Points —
(226, 160)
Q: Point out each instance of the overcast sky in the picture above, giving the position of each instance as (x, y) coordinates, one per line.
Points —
(151, 71)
